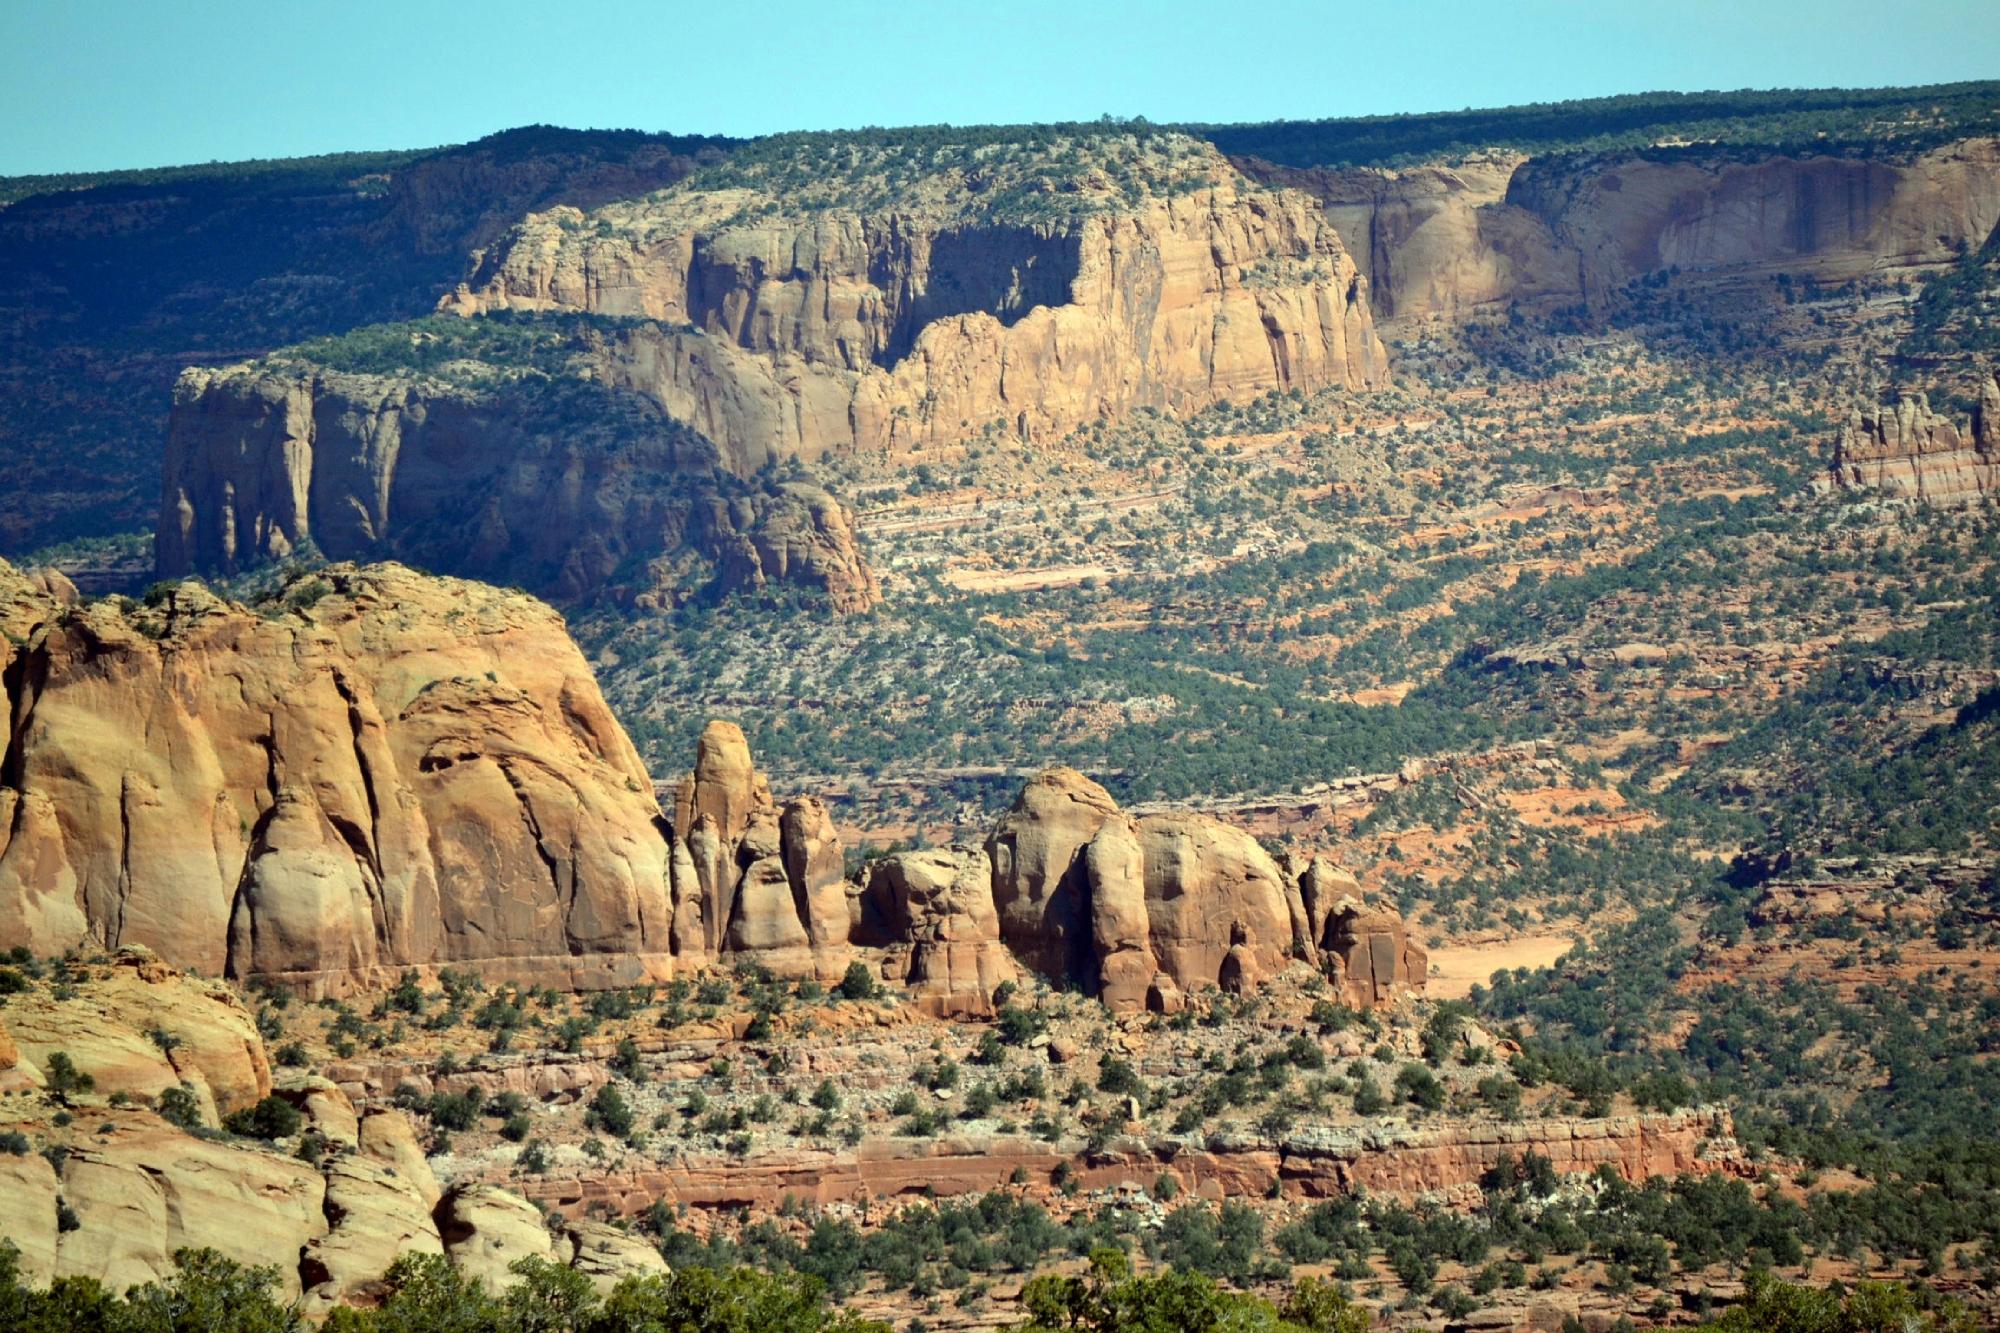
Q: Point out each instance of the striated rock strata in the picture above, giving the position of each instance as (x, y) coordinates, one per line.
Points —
(1907, 451)
(1033, 295)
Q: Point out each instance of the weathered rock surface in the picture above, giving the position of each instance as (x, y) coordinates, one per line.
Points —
(1368, 954)
(1040, 884)
(935, 910)
(145, 1191)
(796, 331)
(149, 1027)
(28, 1213)
(486, 1228)
(1492, 229)
(1907, 451)
(383, 770)
(565, 486)
(606, 1254)
(1144, 911)
(376, 1214)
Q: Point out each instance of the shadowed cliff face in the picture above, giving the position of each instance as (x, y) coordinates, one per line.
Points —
(1446, 240)
(570, 487)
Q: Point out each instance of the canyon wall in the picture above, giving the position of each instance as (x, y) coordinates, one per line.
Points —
(570, 489)
(1444, 241)
(797, 333)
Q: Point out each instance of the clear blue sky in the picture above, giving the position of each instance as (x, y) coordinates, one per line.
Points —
(92, 84)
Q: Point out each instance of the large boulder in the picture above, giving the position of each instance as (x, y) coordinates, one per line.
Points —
(486, 1229)
(766, 924)
(1215, 903)
(935, 908)
(377, 1214)
(607, 1255)
(1372, 958)
(1040, 885)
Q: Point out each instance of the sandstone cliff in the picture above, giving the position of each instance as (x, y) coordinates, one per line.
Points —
(1034, 293)
(376, 770)
(549, 481)
(1493, 229)
(1907, 451)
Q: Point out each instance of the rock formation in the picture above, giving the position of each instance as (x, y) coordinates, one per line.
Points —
(374, 770)
(1907, 451)
(561, 485)
(1445, 240)
(1031, 293)
(934, 911)
(214, 1049)
(1143, 911)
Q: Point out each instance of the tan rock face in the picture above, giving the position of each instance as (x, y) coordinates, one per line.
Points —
(825, 330)
(146, 1191)
(1444, 241)
(1906, 451)
(404, 771)
(816, 867)
(939, 905)
(215, 1048)
(607, 1255)
(1040, 884)
(28, 1213)
(485, 1229)
(1215, 903)
(725, 784)
(376, 1215)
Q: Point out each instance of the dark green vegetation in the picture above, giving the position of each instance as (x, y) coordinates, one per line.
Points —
(1864, 120)
(211, 1294)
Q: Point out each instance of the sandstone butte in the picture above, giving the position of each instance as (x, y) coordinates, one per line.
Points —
(378, 770)
(745, 322)
(1448, 240)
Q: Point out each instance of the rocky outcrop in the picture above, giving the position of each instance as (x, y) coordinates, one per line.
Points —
(559, 483)
(1143, 911)
(796, 329)
(750, 879)
(1446, 240)
(1907, 451)
(145, 1191)
(148, 1028)
(1040, 883)
(934, 911)
(486, 1229)
(1367, 953)
(374, 770)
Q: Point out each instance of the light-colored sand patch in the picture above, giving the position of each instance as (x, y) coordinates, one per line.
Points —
(1457, 968)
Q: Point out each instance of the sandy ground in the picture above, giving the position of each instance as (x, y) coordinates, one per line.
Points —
(1456, 968)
